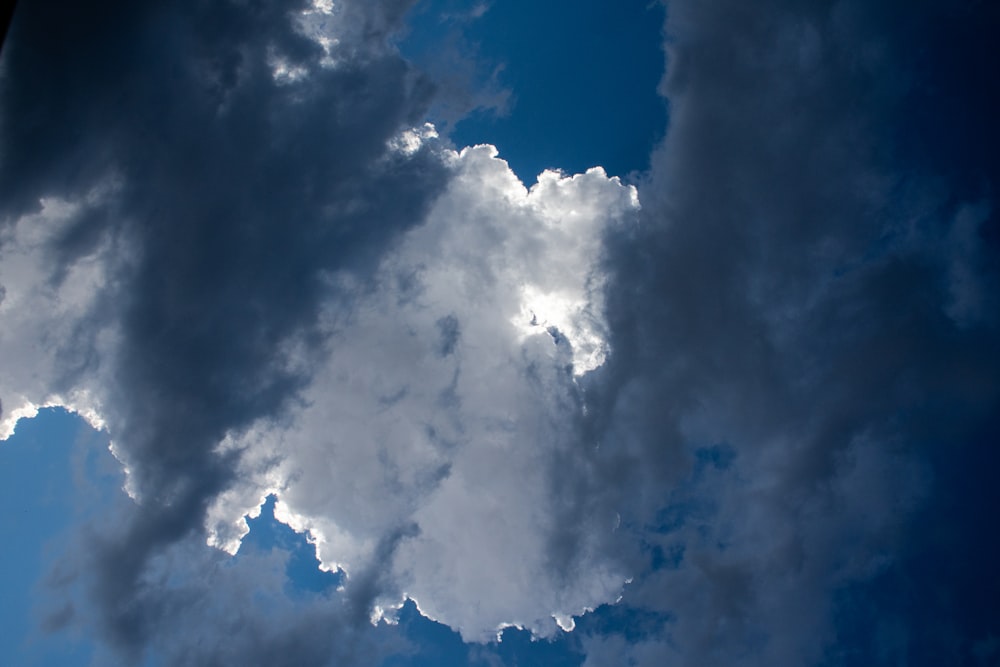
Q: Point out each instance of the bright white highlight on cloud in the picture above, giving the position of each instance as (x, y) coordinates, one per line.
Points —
(43, 343)
(409, 141)
(283, 72)
(557, 300)
(448, 394)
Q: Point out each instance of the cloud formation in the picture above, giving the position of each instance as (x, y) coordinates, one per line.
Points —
(731, 422)
(201, 170)
(800, 341)
(448, 395)
(230, 288)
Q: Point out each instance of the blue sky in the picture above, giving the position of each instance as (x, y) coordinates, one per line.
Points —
(336, 378)
(57, 474)
(572, 70)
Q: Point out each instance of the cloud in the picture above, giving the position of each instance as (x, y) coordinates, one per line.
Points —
(449, 394)
(756, 408)
(178, 201)
(788, 322)
(201, 606)
(274, 286)
(45, 305)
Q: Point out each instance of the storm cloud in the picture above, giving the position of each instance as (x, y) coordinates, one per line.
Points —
(741, 411)
(208, 166)
(805, 340)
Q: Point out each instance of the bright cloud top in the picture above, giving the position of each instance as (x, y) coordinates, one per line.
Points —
(448, 391)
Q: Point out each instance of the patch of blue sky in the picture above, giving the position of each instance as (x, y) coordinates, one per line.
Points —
(631, 623)
(437, 645)
(46, 467)
(303, 571)
(582, 78)
(433, 644)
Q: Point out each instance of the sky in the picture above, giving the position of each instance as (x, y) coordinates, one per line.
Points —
(496, 333)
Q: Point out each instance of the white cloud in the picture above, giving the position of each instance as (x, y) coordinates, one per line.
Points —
(43, 340)
(449, 388)
(448, 392)
(409, 141)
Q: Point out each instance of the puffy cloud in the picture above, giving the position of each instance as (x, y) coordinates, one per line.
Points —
(231, 264)
(448, 395)
(766, 399)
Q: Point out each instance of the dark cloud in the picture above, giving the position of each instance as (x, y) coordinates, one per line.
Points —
(811, 286)
(450, 331)
(788, 448)
(199, 606)
(227, 195)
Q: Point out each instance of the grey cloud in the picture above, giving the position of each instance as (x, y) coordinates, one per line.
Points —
(442, 399)
(230, 197)
(199, 606)
(450, 332)
(803, 345)
(790, 292)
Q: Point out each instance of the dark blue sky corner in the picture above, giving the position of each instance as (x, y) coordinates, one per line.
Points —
(934, 601)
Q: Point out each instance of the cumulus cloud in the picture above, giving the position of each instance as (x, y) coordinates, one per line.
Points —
(231, 266)
(747, 411)
(449, 392)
